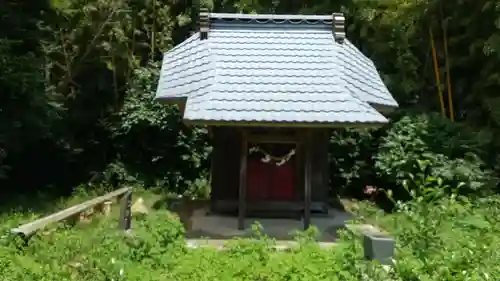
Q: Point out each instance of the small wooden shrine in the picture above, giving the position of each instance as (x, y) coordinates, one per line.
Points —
(271, 88)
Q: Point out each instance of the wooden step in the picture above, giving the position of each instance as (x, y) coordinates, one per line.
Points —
(281, 245)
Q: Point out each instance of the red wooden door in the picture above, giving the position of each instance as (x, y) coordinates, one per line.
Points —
(268, 181)
(281, 182)
(257, 180)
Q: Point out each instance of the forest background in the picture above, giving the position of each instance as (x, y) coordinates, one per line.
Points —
(77, 81)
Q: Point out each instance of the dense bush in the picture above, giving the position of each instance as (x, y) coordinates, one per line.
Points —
(351, 163)
(449, 239)
(166, 152)
(411, 148)
(417, 146)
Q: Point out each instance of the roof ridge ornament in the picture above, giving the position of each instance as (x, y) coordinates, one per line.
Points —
(204, 23)
(338, 26)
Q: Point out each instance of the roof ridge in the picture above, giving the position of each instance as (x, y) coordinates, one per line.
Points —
(327, 19)
(335, 20)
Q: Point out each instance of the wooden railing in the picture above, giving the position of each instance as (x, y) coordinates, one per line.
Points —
(123, 195)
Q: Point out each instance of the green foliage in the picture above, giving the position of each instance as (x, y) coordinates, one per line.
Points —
(414, 150)
(155, 250)
(95, 252)
(451, 238)
(403, 58)
(89, 71)
(420, 146)
(76, 100)
(165, 150)
(69, 74)
(447, 239)
(21, 82)
(351, 166)
(257, 261)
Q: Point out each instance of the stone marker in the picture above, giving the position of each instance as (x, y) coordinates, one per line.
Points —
(378, 246)
(139, 208)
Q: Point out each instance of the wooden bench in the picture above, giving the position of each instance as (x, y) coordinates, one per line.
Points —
(124, 195)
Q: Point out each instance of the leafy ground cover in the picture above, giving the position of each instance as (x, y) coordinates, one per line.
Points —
(450, 239)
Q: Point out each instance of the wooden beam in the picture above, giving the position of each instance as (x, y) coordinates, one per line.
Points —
(242, 194)
(231, 206)
(254, 138)
(30, 228)
(285, 124)
(307, 179)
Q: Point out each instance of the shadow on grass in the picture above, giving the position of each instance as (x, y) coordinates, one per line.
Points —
(163, 203)
(347, 203)
(47, 202)
(39, 203)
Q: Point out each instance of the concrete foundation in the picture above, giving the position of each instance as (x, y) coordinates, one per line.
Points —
(215, 229)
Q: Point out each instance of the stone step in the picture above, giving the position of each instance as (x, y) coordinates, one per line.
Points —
(281, 245)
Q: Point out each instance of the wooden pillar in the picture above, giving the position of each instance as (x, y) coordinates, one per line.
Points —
(182, 105)
(307, 179)
(211, 176)
(125, 211)
(242, 194)
(298, 172)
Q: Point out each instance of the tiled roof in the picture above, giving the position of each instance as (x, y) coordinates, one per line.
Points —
(273, 68)
(186, 70)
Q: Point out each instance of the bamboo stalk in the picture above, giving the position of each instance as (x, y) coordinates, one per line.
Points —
(153, 32)
(436, 72)
(447, 66)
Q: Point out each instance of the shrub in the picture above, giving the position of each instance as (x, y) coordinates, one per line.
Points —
(95, 252)
(256, 259)
(167, 153)
(449, 239)
(417, 146)
(351, 165)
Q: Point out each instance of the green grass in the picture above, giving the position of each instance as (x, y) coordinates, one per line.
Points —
(452, 240)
